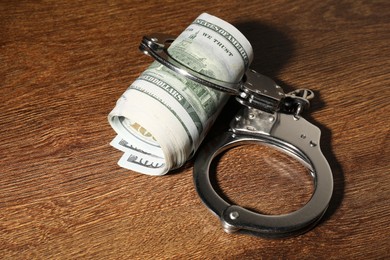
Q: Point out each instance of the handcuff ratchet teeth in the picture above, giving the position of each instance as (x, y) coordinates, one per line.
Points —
(268, 117)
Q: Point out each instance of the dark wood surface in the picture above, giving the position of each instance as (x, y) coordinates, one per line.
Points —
(63, 65)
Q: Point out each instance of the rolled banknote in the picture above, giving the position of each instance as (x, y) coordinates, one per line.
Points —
(162, 118)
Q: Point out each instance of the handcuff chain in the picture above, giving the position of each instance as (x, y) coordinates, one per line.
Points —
(300, 101)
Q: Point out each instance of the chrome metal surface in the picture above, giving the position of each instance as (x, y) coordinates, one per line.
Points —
(250, 120)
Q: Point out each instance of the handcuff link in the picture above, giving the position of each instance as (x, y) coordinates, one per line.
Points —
(268, 117)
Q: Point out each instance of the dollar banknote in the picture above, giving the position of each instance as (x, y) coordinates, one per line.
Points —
(162, 118)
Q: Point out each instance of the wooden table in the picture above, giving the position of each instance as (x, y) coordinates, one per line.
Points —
(63, 65)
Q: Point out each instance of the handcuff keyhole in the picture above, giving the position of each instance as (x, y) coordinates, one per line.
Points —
(262, 179)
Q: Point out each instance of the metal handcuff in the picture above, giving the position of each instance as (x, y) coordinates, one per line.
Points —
(268, 117)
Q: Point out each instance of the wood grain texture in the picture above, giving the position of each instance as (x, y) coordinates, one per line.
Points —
(63, 64)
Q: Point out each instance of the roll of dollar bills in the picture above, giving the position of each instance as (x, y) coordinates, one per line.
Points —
(162, 118)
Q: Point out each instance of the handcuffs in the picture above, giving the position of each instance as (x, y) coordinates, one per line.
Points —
(268, 117)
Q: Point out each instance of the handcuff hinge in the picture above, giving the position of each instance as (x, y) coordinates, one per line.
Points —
(260, 92)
